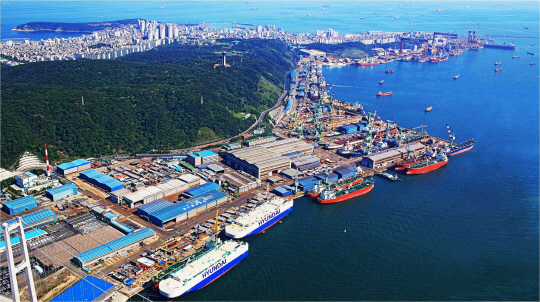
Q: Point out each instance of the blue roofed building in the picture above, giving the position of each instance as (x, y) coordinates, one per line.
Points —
(102, 181)
(209, 186)
(149, 208)
(188, 208)
(19, 205)
(33, 220)
(77, 165)
(113, 248)
(61, 192)
(87, 289)
(200, 158)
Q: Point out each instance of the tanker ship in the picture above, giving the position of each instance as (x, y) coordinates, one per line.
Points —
(361, 188)
(429, 164)
(342, 183)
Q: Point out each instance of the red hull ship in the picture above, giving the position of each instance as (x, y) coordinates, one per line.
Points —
(498, 69)
(346, 193)
(421, 169)
(368, 64)
(337, 185)
(384, 93)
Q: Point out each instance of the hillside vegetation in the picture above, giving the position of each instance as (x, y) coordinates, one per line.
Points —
(139, 103)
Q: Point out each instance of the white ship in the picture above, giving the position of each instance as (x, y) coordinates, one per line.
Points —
(261, 218)
(203, 268)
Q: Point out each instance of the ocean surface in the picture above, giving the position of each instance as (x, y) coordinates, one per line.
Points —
(468, 231)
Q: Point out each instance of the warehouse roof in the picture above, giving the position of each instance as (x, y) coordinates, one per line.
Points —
(31, 219)
(114, 245)
(20, 202)
(182, 207)
(189, 178)
(215, 168)
(73, 164)
(395, 152)
(202, 189)
(87, 289)
(206, 153)
(154, 206)
(61, 189)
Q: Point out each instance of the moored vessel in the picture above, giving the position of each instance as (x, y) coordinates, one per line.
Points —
(261, 218)
(384, 93)
(457, 148)
(498, 69)
(201, 268)
(350, 191)
(429, 164)
(342, 183)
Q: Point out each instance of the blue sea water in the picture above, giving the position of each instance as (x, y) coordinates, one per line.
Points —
(468, 231)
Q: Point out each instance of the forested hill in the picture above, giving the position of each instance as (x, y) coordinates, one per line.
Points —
(142, 102)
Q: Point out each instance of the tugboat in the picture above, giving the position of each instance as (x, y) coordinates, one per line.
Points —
(428, 109)
(389, 71)
(381, 82)
(498, 69)
(348, 192)
(384, 93)
(389, 176)
(431, 163)
(498, 63)
(456, 76)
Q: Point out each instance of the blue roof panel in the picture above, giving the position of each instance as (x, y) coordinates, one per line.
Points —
(183, 207)
(154, 206)
(202, 189)
(87, 289)
(114, 245)
(20, 202)
(61, 189)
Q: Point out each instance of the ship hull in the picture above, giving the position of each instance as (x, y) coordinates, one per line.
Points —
(348, 196)
(460, 150)
(412, 171)
(368, 64)
(313, 195)
(260, 228)
(209, 279)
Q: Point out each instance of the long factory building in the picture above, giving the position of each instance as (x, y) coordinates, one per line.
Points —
(391, 156)
(33, 220)
(113, 248)
(265, 159)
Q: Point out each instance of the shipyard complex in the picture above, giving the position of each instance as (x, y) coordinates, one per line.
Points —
(112, 227)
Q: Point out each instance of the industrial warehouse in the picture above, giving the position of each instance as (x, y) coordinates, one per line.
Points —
(33, 220)
(102, 181)
(77, 165)
(61, 192)
(263, 160)
(114, 247)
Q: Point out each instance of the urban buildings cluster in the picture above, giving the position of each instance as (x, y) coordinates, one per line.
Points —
(116, 42)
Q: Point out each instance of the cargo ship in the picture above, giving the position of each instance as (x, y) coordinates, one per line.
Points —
(429, 164)
(340, 184)
(439, 59)
(201, 268)
(498, 69)
(509, 46)
(498, 63)
(460, 147)
(348, 192)
(530, 53)
(260, 219)
(384, 93)
(389, 71)
(516, 57)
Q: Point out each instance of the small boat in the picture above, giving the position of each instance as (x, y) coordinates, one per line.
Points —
(389, 176)
(525, 27)
(375, 12)
(498, 69)
(324, 8)
(254, 8)
(498, 63)
(533, 44)
(516, 57)
(428, 109)
(389, 71)
(530, 53)
(309, 15)
(396, 17)
(410, 22)
(163, 6)
(384, 93)
(456, 76)
(362, 18)
(439, 10)
(532, 63)
(381, 82)
(325, 12)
